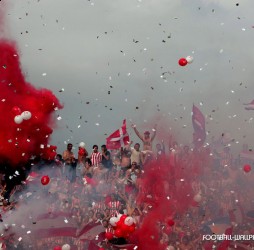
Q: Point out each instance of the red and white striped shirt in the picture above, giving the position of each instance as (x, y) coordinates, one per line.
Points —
(96, 158)
(114, 207)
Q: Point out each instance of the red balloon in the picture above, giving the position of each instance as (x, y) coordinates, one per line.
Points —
(132, 228)
(171, 223)
(45, 180)
(247, 168)
(119, 233)
(16, 110)
(125, 228)
(57, 248)
(81, 152)
(182, 62)
(119, 224)
(123, 217)
(109, 235)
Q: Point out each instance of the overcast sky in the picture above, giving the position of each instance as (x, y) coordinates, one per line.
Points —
(109, 56)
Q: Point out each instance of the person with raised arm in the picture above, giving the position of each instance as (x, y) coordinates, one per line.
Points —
(147, 152)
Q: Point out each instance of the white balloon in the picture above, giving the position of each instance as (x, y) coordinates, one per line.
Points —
(189, 59)
(26, 115)
(18, 119)
(197, 197)
(66, 247)
(82, 145)
(113, 221)
(119, 217)
(129, 221)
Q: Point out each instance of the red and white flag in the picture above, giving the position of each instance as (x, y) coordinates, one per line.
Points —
(249, 106)
(119, 138)
(198, 123)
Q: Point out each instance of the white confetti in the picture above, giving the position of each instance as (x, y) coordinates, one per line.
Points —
(97, 124)
(79, 126)
(59, 118)
(221, 51)
(23, 226)
(28, 232)
(243, 29)
(44, 74)
(65, 220)
(20, 239)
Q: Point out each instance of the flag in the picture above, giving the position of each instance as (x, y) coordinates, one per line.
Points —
(249, 106)
(55, 224)
(119, 138)
(198, 123)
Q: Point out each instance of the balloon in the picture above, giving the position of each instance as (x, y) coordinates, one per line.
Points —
(113, 221)
(66, 247)
(119, 223)
(81, 152)
(197, 197)
(182, 62)
(129, 221)
(132, 228)
(57, 248)
(45, 180)
(18, 119)
(16, 110)
(247, 168)
(189, 59)
(171, 223)
(118, 233)
(82, 145)
(109, 235)
(101, 248)
(119, 216)
(26, 115)
(123, 217)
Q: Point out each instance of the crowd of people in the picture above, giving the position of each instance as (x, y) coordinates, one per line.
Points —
(95, 187)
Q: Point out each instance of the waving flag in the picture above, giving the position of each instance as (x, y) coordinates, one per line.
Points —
(198, 123)
(55, 224)
(119, 138)
(249, 106)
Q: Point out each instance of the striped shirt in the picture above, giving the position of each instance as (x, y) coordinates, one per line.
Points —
(96, 158)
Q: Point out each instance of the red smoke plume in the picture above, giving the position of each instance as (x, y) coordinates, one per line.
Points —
(18, 142)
